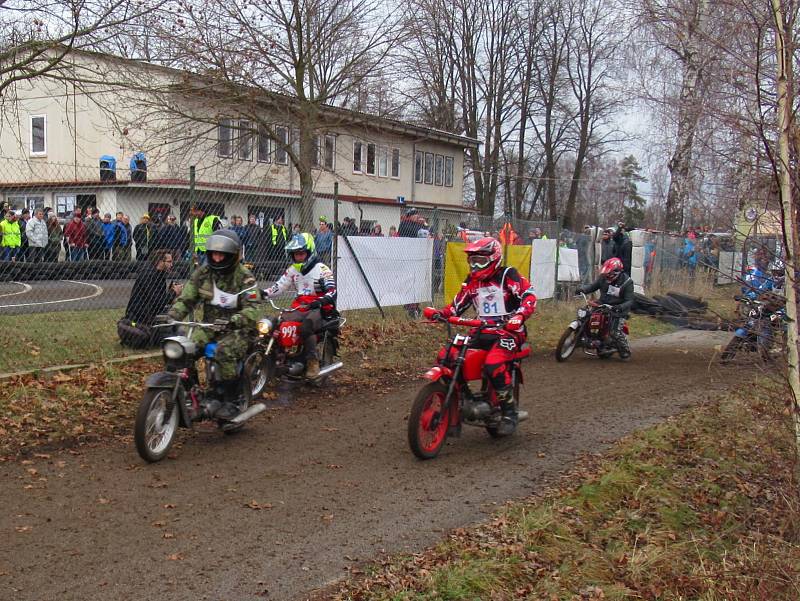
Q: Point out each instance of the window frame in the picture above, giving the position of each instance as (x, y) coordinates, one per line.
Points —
(263, 134)
(324, 157)
(360, 168)
(43, 152)
(225, 124)
(438, 170)
(245, 136)
(449, 165)
(280, 147)
(429, 157)
(419, 167)
(395, 154)
(371, 146)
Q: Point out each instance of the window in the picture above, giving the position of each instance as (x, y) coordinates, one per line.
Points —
(245, 140)
(263, 145)
(225, 138)
(38, 135)
(370, 159)
(383, 161)
(316, 142)
(329, 153)
(358, 158)
(282, 136)
(26, 202)
(428, 167)
(448, 172)
(65, 204)
(439, 170)
(396, 163)
(418, 167)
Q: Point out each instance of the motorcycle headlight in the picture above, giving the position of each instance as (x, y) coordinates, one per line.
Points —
(264, 326)
(581, 313)
(173, 349)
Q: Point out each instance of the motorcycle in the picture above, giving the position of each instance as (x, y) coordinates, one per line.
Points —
(176, 397)
(278, 350)
(591, 330)
(762, 332)
(447, 401)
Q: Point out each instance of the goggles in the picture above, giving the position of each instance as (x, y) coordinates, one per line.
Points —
(478, 261)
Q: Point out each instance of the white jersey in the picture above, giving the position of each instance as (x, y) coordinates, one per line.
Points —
(317, 282)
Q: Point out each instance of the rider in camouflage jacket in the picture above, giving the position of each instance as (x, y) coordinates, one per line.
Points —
(218, 290)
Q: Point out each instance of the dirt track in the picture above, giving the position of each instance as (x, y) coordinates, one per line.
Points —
(285, 506)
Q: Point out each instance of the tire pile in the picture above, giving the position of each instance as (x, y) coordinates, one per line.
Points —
(79, 270)
(679, 310)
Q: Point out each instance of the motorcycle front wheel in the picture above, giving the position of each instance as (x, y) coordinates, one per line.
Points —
(156, 424)
(258, 371)
(567, 345)
(428, 422)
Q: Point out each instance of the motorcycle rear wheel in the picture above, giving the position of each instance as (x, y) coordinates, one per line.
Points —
(156, 424)
(427, 423)
(567, 345)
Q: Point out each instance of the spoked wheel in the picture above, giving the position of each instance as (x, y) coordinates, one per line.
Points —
(566, 346)
(492, 429)
(156, 424)
(428, 422)
(258, 371)
(731, 349)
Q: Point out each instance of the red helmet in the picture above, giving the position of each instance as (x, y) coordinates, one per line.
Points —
(484, 256)
(611, 269)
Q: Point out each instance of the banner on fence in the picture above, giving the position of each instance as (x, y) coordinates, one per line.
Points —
(456, 268)
(543, 268)
(398, 270)
(568, 270)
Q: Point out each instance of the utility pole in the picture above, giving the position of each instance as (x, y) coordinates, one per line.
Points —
(784, 56)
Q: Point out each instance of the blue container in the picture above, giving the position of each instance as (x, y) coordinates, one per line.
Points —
(108, 168)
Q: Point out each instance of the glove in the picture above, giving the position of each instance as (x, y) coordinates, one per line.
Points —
(616, 312)
(515, 323)
(314, 305)
(432, 313)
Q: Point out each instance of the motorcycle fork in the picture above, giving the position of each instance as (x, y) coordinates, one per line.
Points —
(454, 380)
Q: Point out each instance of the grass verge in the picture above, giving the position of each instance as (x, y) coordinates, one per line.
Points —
(701, 507)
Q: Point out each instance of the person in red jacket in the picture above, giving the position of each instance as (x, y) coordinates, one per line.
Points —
(502, 297)
(76, 236)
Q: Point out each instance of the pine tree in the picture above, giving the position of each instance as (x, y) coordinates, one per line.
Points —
(632, 202)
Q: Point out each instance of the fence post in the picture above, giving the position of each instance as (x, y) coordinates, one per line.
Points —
(191, 218)
(335, 225)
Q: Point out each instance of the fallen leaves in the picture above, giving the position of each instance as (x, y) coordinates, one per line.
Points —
(258, 506)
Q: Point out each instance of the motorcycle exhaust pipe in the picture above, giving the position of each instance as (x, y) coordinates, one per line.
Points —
(330, 369)
(250, 412)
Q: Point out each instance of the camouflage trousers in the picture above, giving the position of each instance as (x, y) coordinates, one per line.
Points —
(231, 349)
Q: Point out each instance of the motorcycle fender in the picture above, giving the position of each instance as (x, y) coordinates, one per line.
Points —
(575, 325)
(436, 373)
(168, 379)
(740, 333)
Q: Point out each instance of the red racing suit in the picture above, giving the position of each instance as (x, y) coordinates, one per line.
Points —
(497, 299)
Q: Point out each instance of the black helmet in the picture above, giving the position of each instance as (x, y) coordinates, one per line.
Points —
(227, 242)
(303, 242)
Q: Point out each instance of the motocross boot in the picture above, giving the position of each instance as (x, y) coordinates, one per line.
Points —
(312, 368)
(508, 421)
(230, 400)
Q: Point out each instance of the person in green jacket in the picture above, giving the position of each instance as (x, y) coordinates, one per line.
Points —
(222, 289)
(12, 237)
(202, 227)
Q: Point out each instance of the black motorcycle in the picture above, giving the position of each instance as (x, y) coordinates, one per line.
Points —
(177, 397)
(590, 330)
(763, 331)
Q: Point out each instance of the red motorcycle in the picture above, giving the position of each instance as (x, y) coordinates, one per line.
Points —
(447, 401)
(591, 330)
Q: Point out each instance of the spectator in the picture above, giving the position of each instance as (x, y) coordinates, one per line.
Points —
(126, 244)
(12, 236)
(324, 241)
(278, 237)
(202, 226)
(142, 236)
(237, 226)
(150, 296)
(507, 235)
(76, 236)
(392, 231)
(583, 243)
(171, 237)
(607, 245)
(376, 230)
(410, 224)
(55, 235)
(439, 246)
(256, 244)
(296, 230)
(348, 227)
(24, 218)
(111, 234)
(689, 254)
(96, 238)
(623, 248)
(36, 231)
